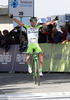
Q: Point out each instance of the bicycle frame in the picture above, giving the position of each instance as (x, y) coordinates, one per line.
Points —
(35, 56)
(35, 67)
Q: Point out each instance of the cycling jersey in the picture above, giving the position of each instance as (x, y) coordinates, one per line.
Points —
(32, 34)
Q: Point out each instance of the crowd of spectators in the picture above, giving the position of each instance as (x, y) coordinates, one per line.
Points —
(49, 34)
(12, 37)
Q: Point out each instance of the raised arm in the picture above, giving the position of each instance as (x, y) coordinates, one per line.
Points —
(50, 22)
(17, 21)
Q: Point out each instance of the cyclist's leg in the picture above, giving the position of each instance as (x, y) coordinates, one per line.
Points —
(41, 59)
(29, 50)
(38, 50)
(28, 62)
(41, 63)
(28, 59)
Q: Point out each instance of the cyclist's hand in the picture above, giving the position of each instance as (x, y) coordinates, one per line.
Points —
(11, 15)
(57, 18)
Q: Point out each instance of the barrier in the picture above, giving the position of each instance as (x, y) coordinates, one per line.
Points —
(47, 49)
(60, 59)
(12, 60)
(56, 59)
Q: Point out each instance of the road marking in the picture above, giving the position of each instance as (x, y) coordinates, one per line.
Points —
(37, 96)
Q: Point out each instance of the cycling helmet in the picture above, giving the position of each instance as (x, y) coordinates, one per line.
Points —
(33, 19)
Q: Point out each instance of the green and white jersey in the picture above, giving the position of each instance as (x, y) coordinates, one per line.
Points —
(32, 34)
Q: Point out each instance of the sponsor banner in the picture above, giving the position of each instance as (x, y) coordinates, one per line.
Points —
(44, 20)
(61, 20)
(56, 58)
(47, 49)
(67, 17)
(20, 64)
(12, 60)
(60, 58)
(21, 7)
(6, 59)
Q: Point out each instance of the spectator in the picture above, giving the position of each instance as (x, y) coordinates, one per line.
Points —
(23, 44)
(64, 30)
(16, 32)
(49, 33)
(6, 39)
(68, 33)
(67, 39)
(68, 36)
(0, 38)
(42, 36)
(54, 24)
(68, 27)
(56, 35)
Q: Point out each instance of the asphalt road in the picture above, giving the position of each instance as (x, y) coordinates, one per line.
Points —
(20, 86)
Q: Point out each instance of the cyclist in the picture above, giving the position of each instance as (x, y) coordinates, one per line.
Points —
(32, 34)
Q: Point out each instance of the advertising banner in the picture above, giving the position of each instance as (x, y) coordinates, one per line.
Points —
(60, 58)
(6, 59)
(44, 20)
(67, 17)
(21, 8)
(20, 64)
(47, 49)
(56, 58)
(13, 61)
(61, 20)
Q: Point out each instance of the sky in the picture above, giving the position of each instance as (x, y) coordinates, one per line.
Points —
(51, 7)
(3, 2)
(45, 8)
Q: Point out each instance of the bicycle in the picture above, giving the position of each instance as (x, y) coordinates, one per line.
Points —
(35, 67)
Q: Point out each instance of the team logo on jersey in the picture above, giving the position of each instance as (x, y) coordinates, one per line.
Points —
(14, 3)
(28, 32)
(31, 28)
(36, 35)
(32, 32)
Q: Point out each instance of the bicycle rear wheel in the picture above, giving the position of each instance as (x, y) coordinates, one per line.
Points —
(38, 76)
(35, 71)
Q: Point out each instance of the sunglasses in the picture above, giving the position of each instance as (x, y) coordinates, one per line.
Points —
(33, 20)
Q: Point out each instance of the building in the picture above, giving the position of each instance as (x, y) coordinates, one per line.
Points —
(5, 21)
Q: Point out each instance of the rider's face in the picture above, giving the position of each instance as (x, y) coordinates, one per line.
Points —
(33, 23)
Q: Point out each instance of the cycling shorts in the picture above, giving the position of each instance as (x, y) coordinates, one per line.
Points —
(33, 46)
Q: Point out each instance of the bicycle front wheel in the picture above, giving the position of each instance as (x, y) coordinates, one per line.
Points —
(38, 76)
(34, 70)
